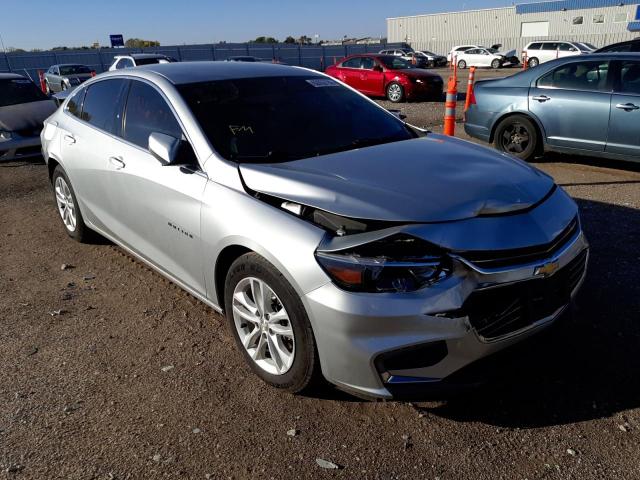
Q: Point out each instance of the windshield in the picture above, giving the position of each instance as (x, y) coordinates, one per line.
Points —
(395, 63)
(588, 45)
(73, 69)
(492, 50)
(19, 90)
(277, 119)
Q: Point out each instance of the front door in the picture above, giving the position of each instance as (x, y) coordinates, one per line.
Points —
(624, 124)
(572, 102)
(158, 205)
(371, 78)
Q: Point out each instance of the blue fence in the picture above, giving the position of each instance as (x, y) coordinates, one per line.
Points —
(310, 56)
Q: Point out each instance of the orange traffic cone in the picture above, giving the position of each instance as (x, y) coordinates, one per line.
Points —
(471, 99)
(450, 107)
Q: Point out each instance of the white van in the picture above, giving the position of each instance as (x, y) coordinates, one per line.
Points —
(543, 51)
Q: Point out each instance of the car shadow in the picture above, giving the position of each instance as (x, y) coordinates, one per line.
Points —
(585, 367)
(590, 161)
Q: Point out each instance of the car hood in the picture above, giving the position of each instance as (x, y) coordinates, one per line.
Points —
(431, 179)
(507, 53)
(25, 116)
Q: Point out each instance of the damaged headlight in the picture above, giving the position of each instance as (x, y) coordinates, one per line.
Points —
(399, 263)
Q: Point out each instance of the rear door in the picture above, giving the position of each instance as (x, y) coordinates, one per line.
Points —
(88, 140)
(158, 206)
(548, 51)
(624, 124)
(350, 72)
(573, 102)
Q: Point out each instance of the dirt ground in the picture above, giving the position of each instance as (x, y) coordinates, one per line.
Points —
(108, 371)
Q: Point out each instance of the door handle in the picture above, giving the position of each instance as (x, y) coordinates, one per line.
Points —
(627, 106)
(117, 162)
(70, 139)
(541, 98)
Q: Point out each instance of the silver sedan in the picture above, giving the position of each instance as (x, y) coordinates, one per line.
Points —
(339, 241)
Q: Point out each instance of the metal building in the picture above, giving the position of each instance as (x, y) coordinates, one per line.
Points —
(600, 22)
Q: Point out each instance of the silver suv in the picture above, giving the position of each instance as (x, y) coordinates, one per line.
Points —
(137, 59)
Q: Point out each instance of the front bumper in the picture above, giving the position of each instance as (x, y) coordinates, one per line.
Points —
(381, 345)
(20, 148)
(431, 88)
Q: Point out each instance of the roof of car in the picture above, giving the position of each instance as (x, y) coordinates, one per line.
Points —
(192, 72)
(68, 65)
(10, 76)
(142, 55)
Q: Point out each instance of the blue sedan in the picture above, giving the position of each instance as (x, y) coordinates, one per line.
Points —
(584, 105)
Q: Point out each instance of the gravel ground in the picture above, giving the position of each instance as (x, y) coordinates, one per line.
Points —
(108, 371)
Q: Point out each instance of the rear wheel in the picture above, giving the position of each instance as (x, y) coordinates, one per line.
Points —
(518, 136)
(533, 62)
(496, 64)
(270, 325)
(395, 92)
(462, 64)
(68, 206)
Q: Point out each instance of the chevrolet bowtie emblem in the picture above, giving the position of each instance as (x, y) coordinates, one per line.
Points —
(547, 269)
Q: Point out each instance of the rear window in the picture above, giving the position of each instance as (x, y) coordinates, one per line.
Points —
(74, 69)
(14, 91)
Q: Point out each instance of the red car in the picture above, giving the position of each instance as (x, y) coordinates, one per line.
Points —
(387, 76)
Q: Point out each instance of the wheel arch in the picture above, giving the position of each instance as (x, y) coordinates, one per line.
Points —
(52, 163)
(227, 256)
(536, 123)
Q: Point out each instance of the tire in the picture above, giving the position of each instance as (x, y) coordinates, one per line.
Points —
(63, 87)
(64, 196)
(462, 64)
(301, 370)
(518, 136)
(496, 64)
(533, 62)
(395, 92)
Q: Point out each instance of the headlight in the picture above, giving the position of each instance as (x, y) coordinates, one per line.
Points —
(419, 81)
(399, 263)
(5, 136)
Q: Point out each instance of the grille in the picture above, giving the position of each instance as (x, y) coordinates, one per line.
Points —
(498, 311)
(519, 256)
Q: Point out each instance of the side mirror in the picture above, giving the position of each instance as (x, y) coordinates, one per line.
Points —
(377, 68)
(164, 147)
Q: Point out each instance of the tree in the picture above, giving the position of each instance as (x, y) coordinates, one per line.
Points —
(265, 40)
(289, 39)
(140, 43)
(304, 40)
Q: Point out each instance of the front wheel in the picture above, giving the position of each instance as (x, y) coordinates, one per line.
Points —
(270, 325)
(395, 92)
(462, 64)
(496, 64)
(533, 62)
(518, 136)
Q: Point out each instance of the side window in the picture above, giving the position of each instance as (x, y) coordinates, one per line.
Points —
(550, 46)
(101, 104)
(148, 112)
(352, 63)
(74, 105)
(630, 78)
(591, 76)
(599, 18)
(534, 46)
(577, 20)
(565, 47)
(367, 63)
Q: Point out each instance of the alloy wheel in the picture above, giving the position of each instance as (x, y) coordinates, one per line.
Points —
(263, 326)
(515, 138)
(395, 92)
(66, 206)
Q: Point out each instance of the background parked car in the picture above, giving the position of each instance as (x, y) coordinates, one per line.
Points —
(137, 59)
(387, 76)
(66, 76)
(629, 46)
(433, 59)
(544, 51)
(243, 58)
(457, 50)
(408, 55)
(23, 109)
(587, 105)
(480, 57)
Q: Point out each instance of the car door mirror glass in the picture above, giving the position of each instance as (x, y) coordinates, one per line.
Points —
(164, 147)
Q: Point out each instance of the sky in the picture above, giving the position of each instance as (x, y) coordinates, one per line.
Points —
(44, 24)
